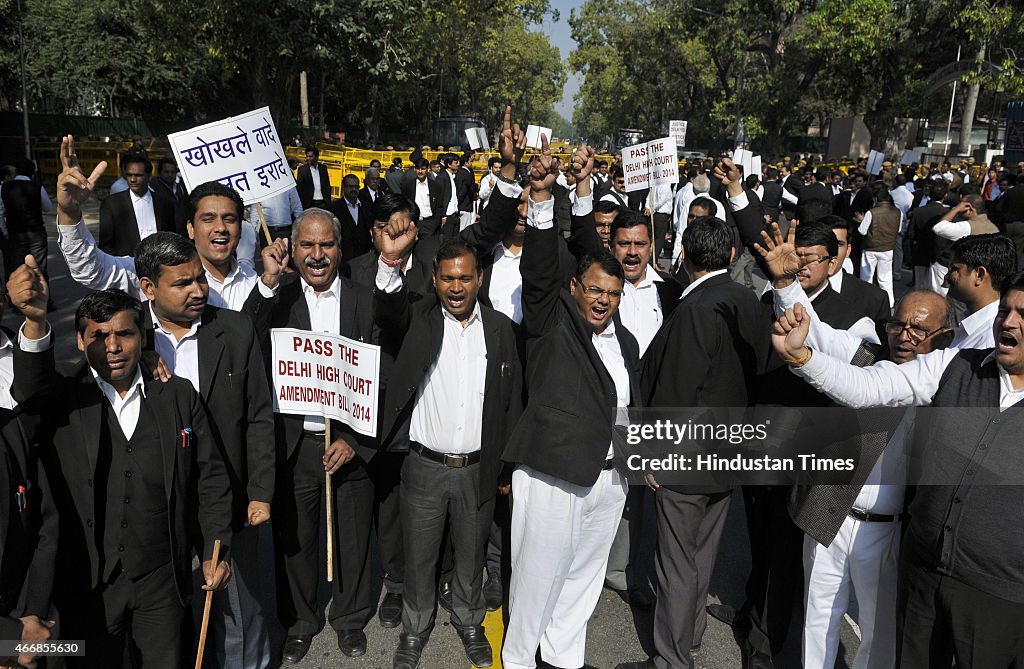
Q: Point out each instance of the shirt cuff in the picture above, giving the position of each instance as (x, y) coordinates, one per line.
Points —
(510, 190)
(813, 368)
(739, 201)
(389, 279)
(541, 214)
(786, 298)
(583, 205)
(266, 291)
(34, 345)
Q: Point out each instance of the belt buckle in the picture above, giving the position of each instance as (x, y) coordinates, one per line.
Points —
(456, 460)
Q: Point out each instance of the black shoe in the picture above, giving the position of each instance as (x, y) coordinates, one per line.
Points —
(352, 642)
(637, 599)
(645, 664)
(758, 660)
(478, 648)
(295, 648)
(728, 615)
(493, 590)
(407, 655)
(444, 595)
(390, 613)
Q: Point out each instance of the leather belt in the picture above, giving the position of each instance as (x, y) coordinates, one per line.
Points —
(868, 517)
(608, 464)
(454, 460)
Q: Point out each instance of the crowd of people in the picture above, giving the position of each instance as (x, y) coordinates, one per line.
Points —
(520, 317)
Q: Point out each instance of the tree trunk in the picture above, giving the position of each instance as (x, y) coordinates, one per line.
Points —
(970, 105)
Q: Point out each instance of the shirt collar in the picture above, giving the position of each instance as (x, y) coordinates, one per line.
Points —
(136, 198)
(238, 271)
(502, 251)
(1004, 376)
(651, 277)
(982, 318)
(22, 177)
(473, 318)
(609, 330)
(138, 386)
(5, 341)
(690, 288)
(159, 326)
(334, 290)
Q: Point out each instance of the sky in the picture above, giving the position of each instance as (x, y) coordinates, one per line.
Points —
(560, 36)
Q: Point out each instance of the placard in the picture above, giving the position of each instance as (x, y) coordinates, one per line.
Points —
(243, 152)
(533, 133)
(477, 138)
(650, 164)
(875, 160)
(320, 374)
(678, 131)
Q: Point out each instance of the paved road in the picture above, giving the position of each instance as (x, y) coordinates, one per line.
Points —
(616, 634)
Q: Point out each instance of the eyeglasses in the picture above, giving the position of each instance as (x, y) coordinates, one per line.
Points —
(915, 334)
(594, 292)
(811, 258)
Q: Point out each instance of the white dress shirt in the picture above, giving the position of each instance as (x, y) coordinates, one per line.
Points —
(975, 331)
(280, 210)
(180, 355)
(144, 216)
(952, 230)
(324, 316)
(453, 203)
(127, 408)
(448, 414)
(640, 310)
(903, 199)
(6, 371)
(423, 198)
(353, 210)
(842, 344)
(98, 270)
(608, 349)
(660, 199)
(314, 172)
(487, 184)
(506, 288)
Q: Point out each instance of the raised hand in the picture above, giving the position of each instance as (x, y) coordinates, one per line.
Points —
(275, 261)
(396, 238)
(73, 189)
(727, 172)
(780, 256)
(511, 145)
(789, 333)
(543, 172)
(29, 293)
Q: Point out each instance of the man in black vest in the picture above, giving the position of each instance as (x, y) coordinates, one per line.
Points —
(453, 398)
(136, 474)
(318, 299)
(962, 580)
(583, 373)
(24, 202)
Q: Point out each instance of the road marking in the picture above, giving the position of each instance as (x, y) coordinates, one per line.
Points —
(494, 629)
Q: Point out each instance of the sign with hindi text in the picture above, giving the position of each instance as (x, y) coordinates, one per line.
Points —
(320, 374)
(650, 164)
(243, 152)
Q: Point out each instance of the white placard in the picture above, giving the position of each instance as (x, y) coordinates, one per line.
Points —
(319, 374)
(678, 130)
(755, 166)
(875, 160)
(243, 152)
(743, 158)
(533, 133)
(650, 164)
(911, 156)
(477, 138)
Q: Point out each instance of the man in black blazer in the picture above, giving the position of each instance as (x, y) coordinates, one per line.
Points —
(313, 181)
(929, 251)
(169, 185)
(317, 298)
(455, 195)
(224, 364)
(454, 394)
(708, 354)
(425, 192)
(138, 480)
(132, 215)
(373, 187)
(354, 215)
(866, 297)
(582, 370)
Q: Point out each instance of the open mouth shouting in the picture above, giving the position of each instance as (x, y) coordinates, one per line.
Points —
(1007, 343)
(318, 268)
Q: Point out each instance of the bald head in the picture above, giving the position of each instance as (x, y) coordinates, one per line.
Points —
(925, 318)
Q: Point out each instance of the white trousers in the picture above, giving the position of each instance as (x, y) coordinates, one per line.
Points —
(866, 556)
(561, 535)
(878, 263)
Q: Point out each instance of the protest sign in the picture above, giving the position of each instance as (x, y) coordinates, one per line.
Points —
(320, 374)
(650, 164)
(875, 160)
(678, 131)
(743, 158)
(911, 156)
(243, 152)
(755, 166)
(477, 138)
(533, 133)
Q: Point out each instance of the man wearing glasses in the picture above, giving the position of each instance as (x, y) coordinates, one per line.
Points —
(582, 371)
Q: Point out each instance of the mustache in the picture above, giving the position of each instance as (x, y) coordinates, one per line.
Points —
(311, 262)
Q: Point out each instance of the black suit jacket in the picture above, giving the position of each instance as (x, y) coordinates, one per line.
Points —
(304, 182)
(28, 532)
(119, 230)
(925, 246)
(419, 329)
(235, 392)
(772, 199)
(465, 188)
(365, 200)
(445, 193)
(709, 352)
(569, 420)
(65, 415)
(180, 200)
(287, 309)
(356, 237)
(868, 299)
(434, 191)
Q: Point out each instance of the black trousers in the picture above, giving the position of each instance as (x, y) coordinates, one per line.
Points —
(776, 572)
(689, 531)
(21, 244)
(299, 533)
(148, 607)
(942, 619)
(386, 473)
(662, 226)
(431, 494)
